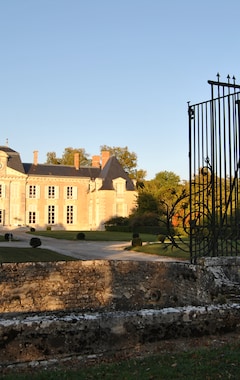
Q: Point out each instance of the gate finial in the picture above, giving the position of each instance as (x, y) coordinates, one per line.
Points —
(218, 76)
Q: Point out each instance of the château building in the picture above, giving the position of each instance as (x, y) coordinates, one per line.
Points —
(63, 197)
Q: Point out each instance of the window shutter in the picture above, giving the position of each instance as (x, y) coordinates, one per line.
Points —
(46, 192)
(56, 192)
(3, 190)
(37, 191)
(56, 215)
(75, 189)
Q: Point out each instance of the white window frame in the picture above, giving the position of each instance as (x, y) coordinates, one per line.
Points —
(32, 217)
(51, 216)
(70, 214)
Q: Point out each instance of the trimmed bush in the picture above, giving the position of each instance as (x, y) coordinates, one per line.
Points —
(35, 242)
(80, 236)
(118, 228)
(49, 228)
(8, 236)
(136, 242)
(32, 229)
(135, 235)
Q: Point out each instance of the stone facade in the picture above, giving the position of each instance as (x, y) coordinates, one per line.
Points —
(63, 197)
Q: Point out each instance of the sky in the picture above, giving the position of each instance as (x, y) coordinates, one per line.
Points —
(87, 73)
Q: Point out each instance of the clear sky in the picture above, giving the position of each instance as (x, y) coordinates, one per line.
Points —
(86, 73)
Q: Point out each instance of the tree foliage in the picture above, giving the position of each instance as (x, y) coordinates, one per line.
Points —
(163, 196)
(68, 157)
(127, 159)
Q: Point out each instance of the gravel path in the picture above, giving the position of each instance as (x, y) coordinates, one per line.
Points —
(82, 249)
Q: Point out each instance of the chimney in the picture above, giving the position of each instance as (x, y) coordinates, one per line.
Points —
(96, 161)
(35, 157)
(76, 160)
(105, 157)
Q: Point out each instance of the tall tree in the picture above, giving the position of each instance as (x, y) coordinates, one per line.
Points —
(165, 188)
(68, 157)
(52, 158)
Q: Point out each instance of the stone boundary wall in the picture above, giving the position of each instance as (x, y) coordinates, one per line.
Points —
(38, 339)
(110, 285)
(59, 309)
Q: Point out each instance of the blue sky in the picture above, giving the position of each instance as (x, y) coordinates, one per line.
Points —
(88, 73)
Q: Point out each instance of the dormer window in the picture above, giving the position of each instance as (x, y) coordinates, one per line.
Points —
(119, 185)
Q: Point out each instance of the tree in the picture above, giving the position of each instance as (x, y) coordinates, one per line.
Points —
(68, 157)
(165, 196)
(128, 160)
(146, 203)
(52, 159)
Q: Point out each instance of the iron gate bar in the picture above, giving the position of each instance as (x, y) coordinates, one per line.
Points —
(214, 144)
(223, 84)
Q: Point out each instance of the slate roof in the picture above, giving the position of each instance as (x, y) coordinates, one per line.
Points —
(61, 170)
(14, 160)
(111, 170)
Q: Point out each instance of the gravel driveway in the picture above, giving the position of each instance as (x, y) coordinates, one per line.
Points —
(82, 249)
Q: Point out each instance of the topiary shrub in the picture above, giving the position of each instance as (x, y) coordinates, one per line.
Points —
(35, 242)
(136, 242)
(32, 229)
(80, 236)
(135, 235)
(8, 236)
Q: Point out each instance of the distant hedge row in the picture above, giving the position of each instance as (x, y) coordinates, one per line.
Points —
(154, 230)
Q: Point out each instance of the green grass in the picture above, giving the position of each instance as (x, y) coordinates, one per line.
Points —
(94, 235)
(163, 249)
(23, 255)
(199, 364)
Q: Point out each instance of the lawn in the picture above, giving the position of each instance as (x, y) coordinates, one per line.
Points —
(23, 255)
(94, 235)
(163, 249)
(198, 364)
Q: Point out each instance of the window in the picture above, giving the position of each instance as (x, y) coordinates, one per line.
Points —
(120, 187)
(69, 192)
(32, 191)
(69, 214)
(1, 191)
(32, 217)
(120, 209)
(1, 216)
(51, 214)
(51, 192)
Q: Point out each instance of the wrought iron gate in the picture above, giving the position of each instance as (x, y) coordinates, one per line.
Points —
(214, 166)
